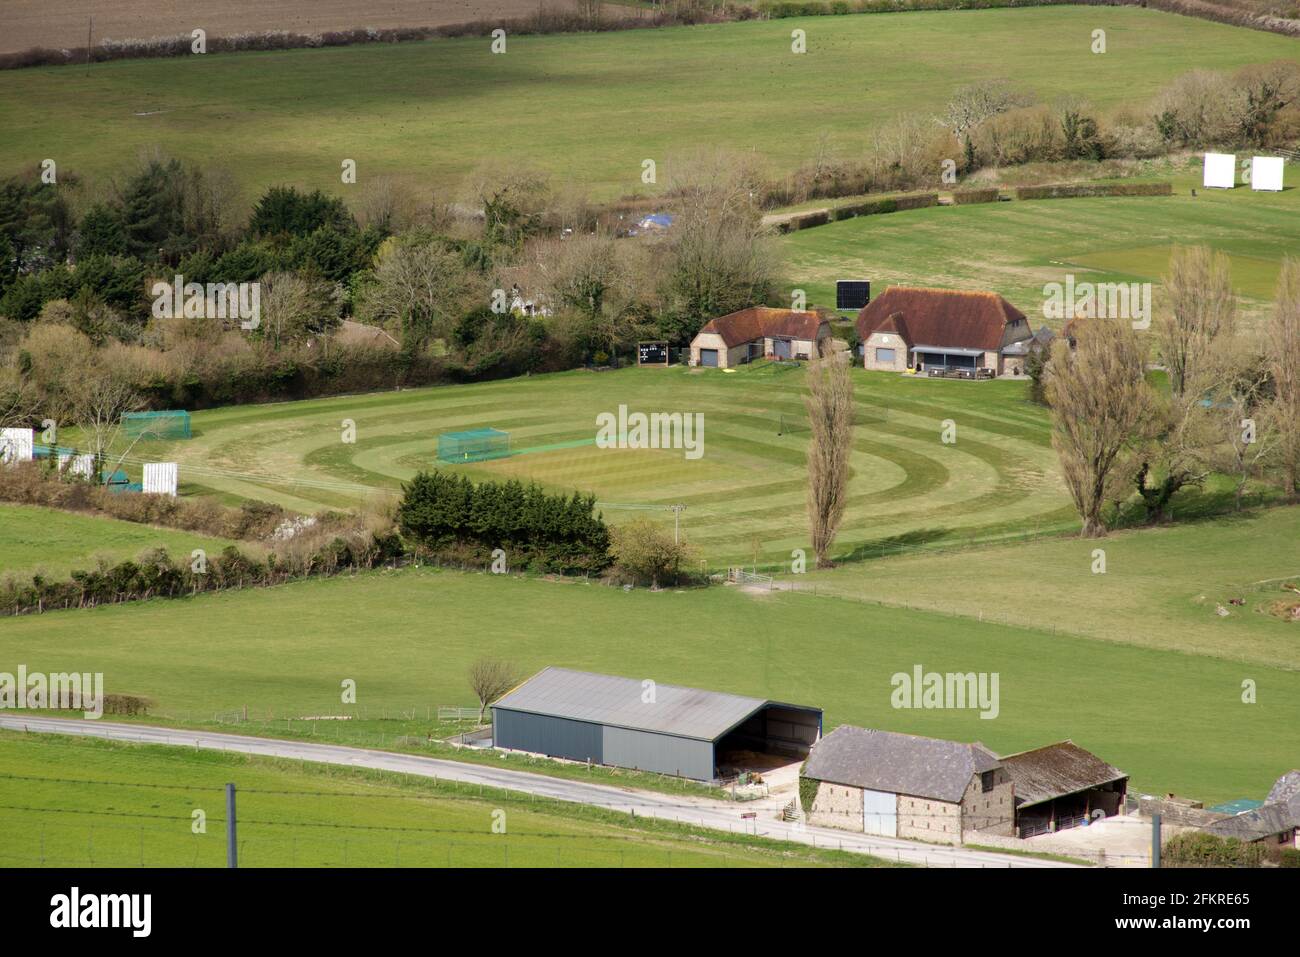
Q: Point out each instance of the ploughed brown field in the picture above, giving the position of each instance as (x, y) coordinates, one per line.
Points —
(63, 23)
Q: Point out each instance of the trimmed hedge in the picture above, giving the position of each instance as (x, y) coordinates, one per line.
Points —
(894, 204)
(1070, 191)
(967, 197)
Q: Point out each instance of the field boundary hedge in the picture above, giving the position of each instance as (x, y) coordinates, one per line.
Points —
(562, 21)
(1074, 190)
(969, 197)
(793, 222)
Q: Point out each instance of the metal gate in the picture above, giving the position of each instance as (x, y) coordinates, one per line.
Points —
(879, 813)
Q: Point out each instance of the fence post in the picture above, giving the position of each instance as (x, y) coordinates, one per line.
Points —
(232, 848)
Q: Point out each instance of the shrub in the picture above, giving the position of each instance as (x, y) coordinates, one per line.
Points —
(646, 553)
(1199, 849)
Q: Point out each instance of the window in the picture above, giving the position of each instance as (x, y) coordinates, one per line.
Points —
(986, 781)
(884, 355)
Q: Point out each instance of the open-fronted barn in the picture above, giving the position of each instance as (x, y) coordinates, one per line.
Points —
(1062, 785)
(634, 723)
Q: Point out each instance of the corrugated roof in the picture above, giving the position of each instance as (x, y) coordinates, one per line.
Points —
(612, 700)
(1260, 823)
(898, 763)
(942, 317)
(1056, 770)
(758, 322)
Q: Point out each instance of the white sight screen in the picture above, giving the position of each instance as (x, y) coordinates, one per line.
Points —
(1266, 172)
(1220, 170)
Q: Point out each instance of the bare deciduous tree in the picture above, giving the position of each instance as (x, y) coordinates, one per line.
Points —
(718, 256)
(1100, 404)
(1284, 367)
(19, 400)
(490, 678)
(100, 397)
(1200, 315)
(418, 288)
(297, 307)
(830, 417)
(973, 104)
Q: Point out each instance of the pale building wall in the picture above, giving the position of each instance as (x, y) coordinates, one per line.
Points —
(878, 340)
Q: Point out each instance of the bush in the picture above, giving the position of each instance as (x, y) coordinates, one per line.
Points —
(645, 553)
(1199, 849)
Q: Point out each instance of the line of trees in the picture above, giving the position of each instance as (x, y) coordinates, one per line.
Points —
(1232, 405)
(451, 518)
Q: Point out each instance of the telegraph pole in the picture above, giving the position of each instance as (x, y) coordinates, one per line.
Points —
(677, 514)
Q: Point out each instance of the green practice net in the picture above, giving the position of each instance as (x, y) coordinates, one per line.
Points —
(473, 446)
(156, 425)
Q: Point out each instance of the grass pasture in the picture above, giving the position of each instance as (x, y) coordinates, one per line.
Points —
(746, 494)
(586, 105)
(1016, 248)
(1173, 720)
(69, 802)
(54, 542)
(1160, 589)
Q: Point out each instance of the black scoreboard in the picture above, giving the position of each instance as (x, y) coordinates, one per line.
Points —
(852, 293)
(652, 353)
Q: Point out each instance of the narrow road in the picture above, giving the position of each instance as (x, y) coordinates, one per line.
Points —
(703, 812)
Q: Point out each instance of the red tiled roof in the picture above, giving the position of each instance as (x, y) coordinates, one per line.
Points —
(947, 318)
(758, 322)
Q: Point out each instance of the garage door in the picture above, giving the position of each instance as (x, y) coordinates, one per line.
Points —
(879, 813)
(782, 348)
(709, 357)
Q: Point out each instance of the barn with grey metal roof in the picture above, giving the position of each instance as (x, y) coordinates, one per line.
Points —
(637, 723)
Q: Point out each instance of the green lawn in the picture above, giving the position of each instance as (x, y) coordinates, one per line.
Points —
(1016, 248)
(746, 493)
(55, 543)
(1160, 589)
(1174, 721)
(68, 802)
(589, 108)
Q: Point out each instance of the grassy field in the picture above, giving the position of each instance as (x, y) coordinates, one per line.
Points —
(1015, 248)
(1160, 589)
(66, 802)
(55, 543)
(746, 494)
(589, 108)
(62, 23)
(1173, 720)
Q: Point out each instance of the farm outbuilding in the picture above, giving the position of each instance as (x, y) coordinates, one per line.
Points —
(1062, 785)
(903, 785)
(631, 723)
